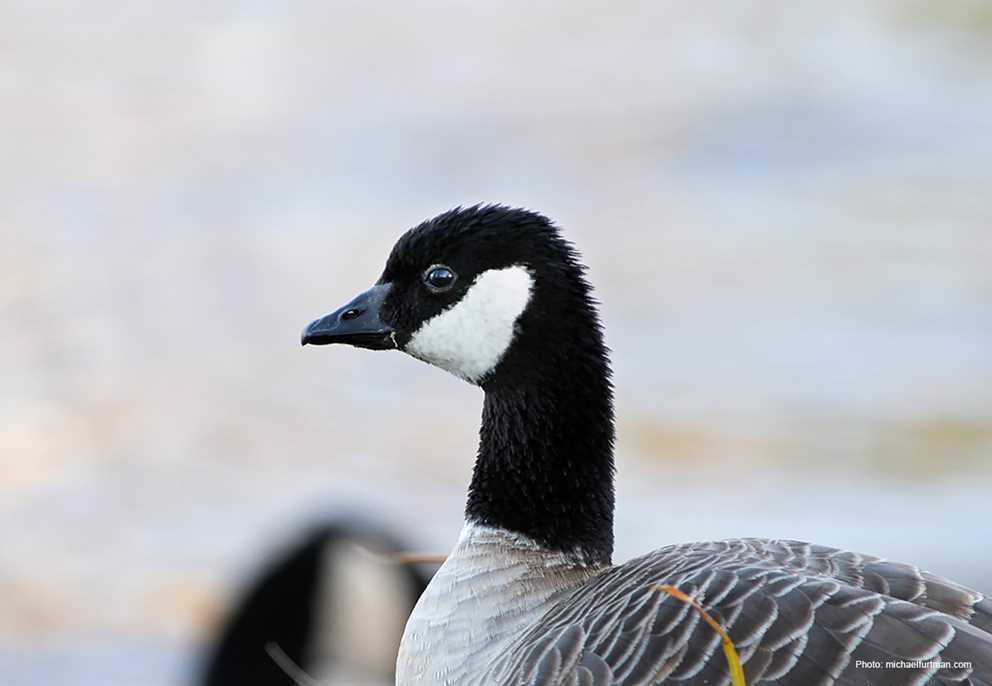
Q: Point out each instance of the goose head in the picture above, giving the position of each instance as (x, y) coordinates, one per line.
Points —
(479, 292)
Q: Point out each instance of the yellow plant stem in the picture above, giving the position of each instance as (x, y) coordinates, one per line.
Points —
(736, 672)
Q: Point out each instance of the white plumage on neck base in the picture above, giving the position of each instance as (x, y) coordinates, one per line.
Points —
(468, 615)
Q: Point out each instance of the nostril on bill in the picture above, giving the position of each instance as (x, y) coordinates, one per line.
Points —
(348, 315)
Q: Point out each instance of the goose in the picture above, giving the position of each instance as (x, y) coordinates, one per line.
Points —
(331, 606)
(529, 594)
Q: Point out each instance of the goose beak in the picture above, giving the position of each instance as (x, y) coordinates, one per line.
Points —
(357, 323)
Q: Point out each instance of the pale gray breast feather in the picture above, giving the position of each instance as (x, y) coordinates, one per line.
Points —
(492, 587)
(798, 614)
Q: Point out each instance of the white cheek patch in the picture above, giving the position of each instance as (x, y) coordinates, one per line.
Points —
(470, 338)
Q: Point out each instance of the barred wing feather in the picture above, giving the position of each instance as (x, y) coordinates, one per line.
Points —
(798, 614)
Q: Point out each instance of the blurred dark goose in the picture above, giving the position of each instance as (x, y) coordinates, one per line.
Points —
(529, 595)
(330, 608)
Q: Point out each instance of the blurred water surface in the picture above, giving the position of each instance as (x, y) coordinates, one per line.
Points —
(785, 208)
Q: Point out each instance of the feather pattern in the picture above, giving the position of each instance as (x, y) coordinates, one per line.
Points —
(799, 614)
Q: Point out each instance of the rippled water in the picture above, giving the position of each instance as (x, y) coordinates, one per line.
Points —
(785, 210)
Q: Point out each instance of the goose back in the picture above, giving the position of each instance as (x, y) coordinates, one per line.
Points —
(799, 614)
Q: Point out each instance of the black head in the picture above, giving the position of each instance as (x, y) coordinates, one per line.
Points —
(470, 291)
(497, 297)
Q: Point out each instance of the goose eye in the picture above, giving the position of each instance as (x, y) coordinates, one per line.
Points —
(439, 278)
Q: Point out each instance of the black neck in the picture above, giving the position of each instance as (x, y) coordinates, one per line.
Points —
(545, 462)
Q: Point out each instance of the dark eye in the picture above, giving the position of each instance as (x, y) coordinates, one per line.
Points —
(439, 278)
